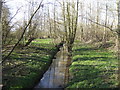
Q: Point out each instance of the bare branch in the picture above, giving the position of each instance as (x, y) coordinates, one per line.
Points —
(23, 32)
(14, 15)
(98, 23)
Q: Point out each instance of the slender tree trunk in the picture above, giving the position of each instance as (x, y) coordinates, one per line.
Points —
(44, 21)
(118, 44)
(66, 39)
(50, 28)
(118, 53)
(70, 26)
(82, 35)
(24, 30)
(81, 27)
(54, 32)
(0, 46)
(65, 26)
(0, 9)
(29, 41)
(0, 31)
(104, 34)
(76, 20)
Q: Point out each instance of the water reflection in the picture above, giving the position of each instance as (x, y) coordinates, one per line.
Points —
(54, 77)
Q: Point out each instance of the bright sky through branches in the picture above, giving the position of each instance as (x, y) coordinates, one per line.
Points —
(15, 4)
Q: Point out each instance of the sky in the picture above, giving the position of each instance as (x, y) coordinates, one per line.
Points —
(15, 4)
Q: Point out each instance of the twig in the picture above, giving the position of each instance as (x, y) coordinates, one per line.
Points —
(98, 23)
(23, 32)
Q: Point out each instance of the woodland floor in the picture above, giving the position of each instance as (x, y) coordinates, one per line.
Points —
(93, 67)
(26, 66)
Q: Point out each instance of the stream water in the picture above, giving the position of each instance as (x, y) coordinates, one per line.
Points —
(55, 75)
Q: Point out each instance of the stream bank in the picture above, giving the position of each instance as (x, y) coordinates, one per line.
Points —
(46, 67)
(27, 66)
(55, 75)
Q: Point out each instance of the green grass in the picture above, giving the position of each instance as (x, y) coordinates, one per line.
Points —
(93, 68)
(31, 63)
(46, 41)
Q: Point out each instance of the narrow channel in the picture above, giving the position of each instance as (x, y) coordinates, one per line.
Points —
(55, 76)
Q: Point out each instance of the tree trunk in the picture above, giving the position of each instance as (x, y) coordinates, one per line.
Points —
(0, 46)
(0, 9)
(118, 44)
(70, 26)
(24, 30)
(104, 35)
(0, 31)
(29, 41)
(118, 52)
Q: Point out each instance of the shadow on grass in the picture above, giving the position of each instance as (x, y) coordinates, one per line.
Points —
(91, 71)
(92, 58)
(37, 59)
(88, 76)
(43, 49)
(27, 66)
(86, 49)
(39, 48)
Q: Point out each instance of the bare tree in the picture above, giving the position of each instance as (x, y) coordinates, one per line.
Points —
(0, 45)
(24, 30)
(70, 17)
(104, 35)
(32, 28)
(49, 20)
(118, 44)
(54, 23)
(5, 23)
(81, 26)
(0, 7)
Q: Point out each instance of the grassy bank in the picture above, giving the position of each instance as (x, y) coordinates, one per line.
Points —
(26, 66)
(93, 68)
